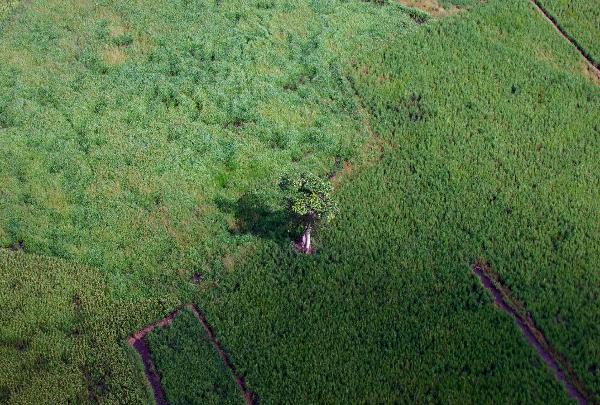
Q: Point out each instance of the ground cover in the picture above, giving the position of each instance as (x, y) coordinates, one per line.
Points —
(482, 144)
(6, 7)
(126, 126)
(440, 8)
(488, 137)
(581, 20)
(191, 371)
(556, 362)
(62, 333)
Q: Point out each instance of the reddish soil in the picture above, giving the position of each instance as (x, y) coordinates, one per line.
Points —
(595, 69)
(150, 371)
(138, 342)
(554, 360)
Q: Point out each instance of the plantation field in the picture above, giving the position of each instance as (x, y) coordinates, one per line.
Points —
(140, 144)
(191, 371)
(581, 19)
(488, 151)
(63, 333)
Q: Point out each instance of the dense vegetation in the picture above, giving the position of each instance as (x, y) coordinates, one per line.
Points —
(122, 139)
(581, 20)
(479, 139)
(63, 333)
(487, 150)
(6, 6)
(191, 371)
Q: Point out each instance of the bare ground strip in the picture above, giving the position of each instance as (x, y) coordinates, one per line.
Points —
(559, 365)
(138, 342)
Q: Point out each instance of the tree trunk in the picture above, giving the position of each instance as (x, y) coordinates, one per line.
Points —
(306, 239)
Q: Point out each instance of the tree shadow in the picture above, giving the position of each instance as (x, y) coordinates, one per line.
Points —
(253, 215)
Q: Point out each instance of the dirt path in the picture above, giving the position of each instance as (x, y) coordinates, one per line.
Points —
(595, 69)
(138, 342)
(560, 367)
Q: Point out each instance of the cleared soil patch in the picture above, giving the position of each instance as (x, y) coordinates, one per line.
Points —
(432, 7)
(554, 360)
(593, 68)
(137, 341)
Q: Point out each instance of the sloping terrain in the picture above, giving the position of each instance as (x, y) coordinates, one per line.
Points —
(469, 137)
(581, 20)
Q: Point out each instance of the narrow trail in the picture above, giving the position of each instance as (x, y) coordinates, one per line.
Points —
(138, 342)
(567, 37)
(150, 370)
(559, 365)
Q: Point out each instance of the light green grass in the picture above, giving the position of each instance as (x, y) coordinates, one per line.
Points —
(6, 6)
(125, 122)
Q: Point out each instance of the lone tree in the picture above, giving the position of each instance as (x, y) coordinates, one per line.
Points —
(309, 201)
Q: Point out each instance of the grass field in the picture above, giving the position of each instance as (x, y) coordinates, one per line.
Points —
(581, 19)
(143, 148)
(515, 183)
(122, 136)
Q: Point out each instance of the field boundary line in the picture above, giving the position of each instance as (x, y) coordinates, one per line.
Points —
(138, 342)
(249, 397)
(504, 300)
(567, 37)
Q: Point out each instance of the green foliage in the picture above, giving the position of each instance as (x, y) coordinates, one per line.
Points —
(581, 20)
(63, 333)
(123, 124)
(114, 153)
(6, 6)
(309, 198)
(191, 371)
(503, 165)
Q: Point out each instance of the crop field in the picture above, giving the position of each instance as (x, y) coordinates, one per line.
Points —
(140, 147)
(581, 19)
(191, 371)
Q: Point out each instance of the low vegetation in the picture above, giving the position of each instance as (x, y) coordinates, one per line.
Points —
(581, 20)
(190, 369)
(487, 134)
(144, 142)
(6, 7)
(121, 139)
(63, 333)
